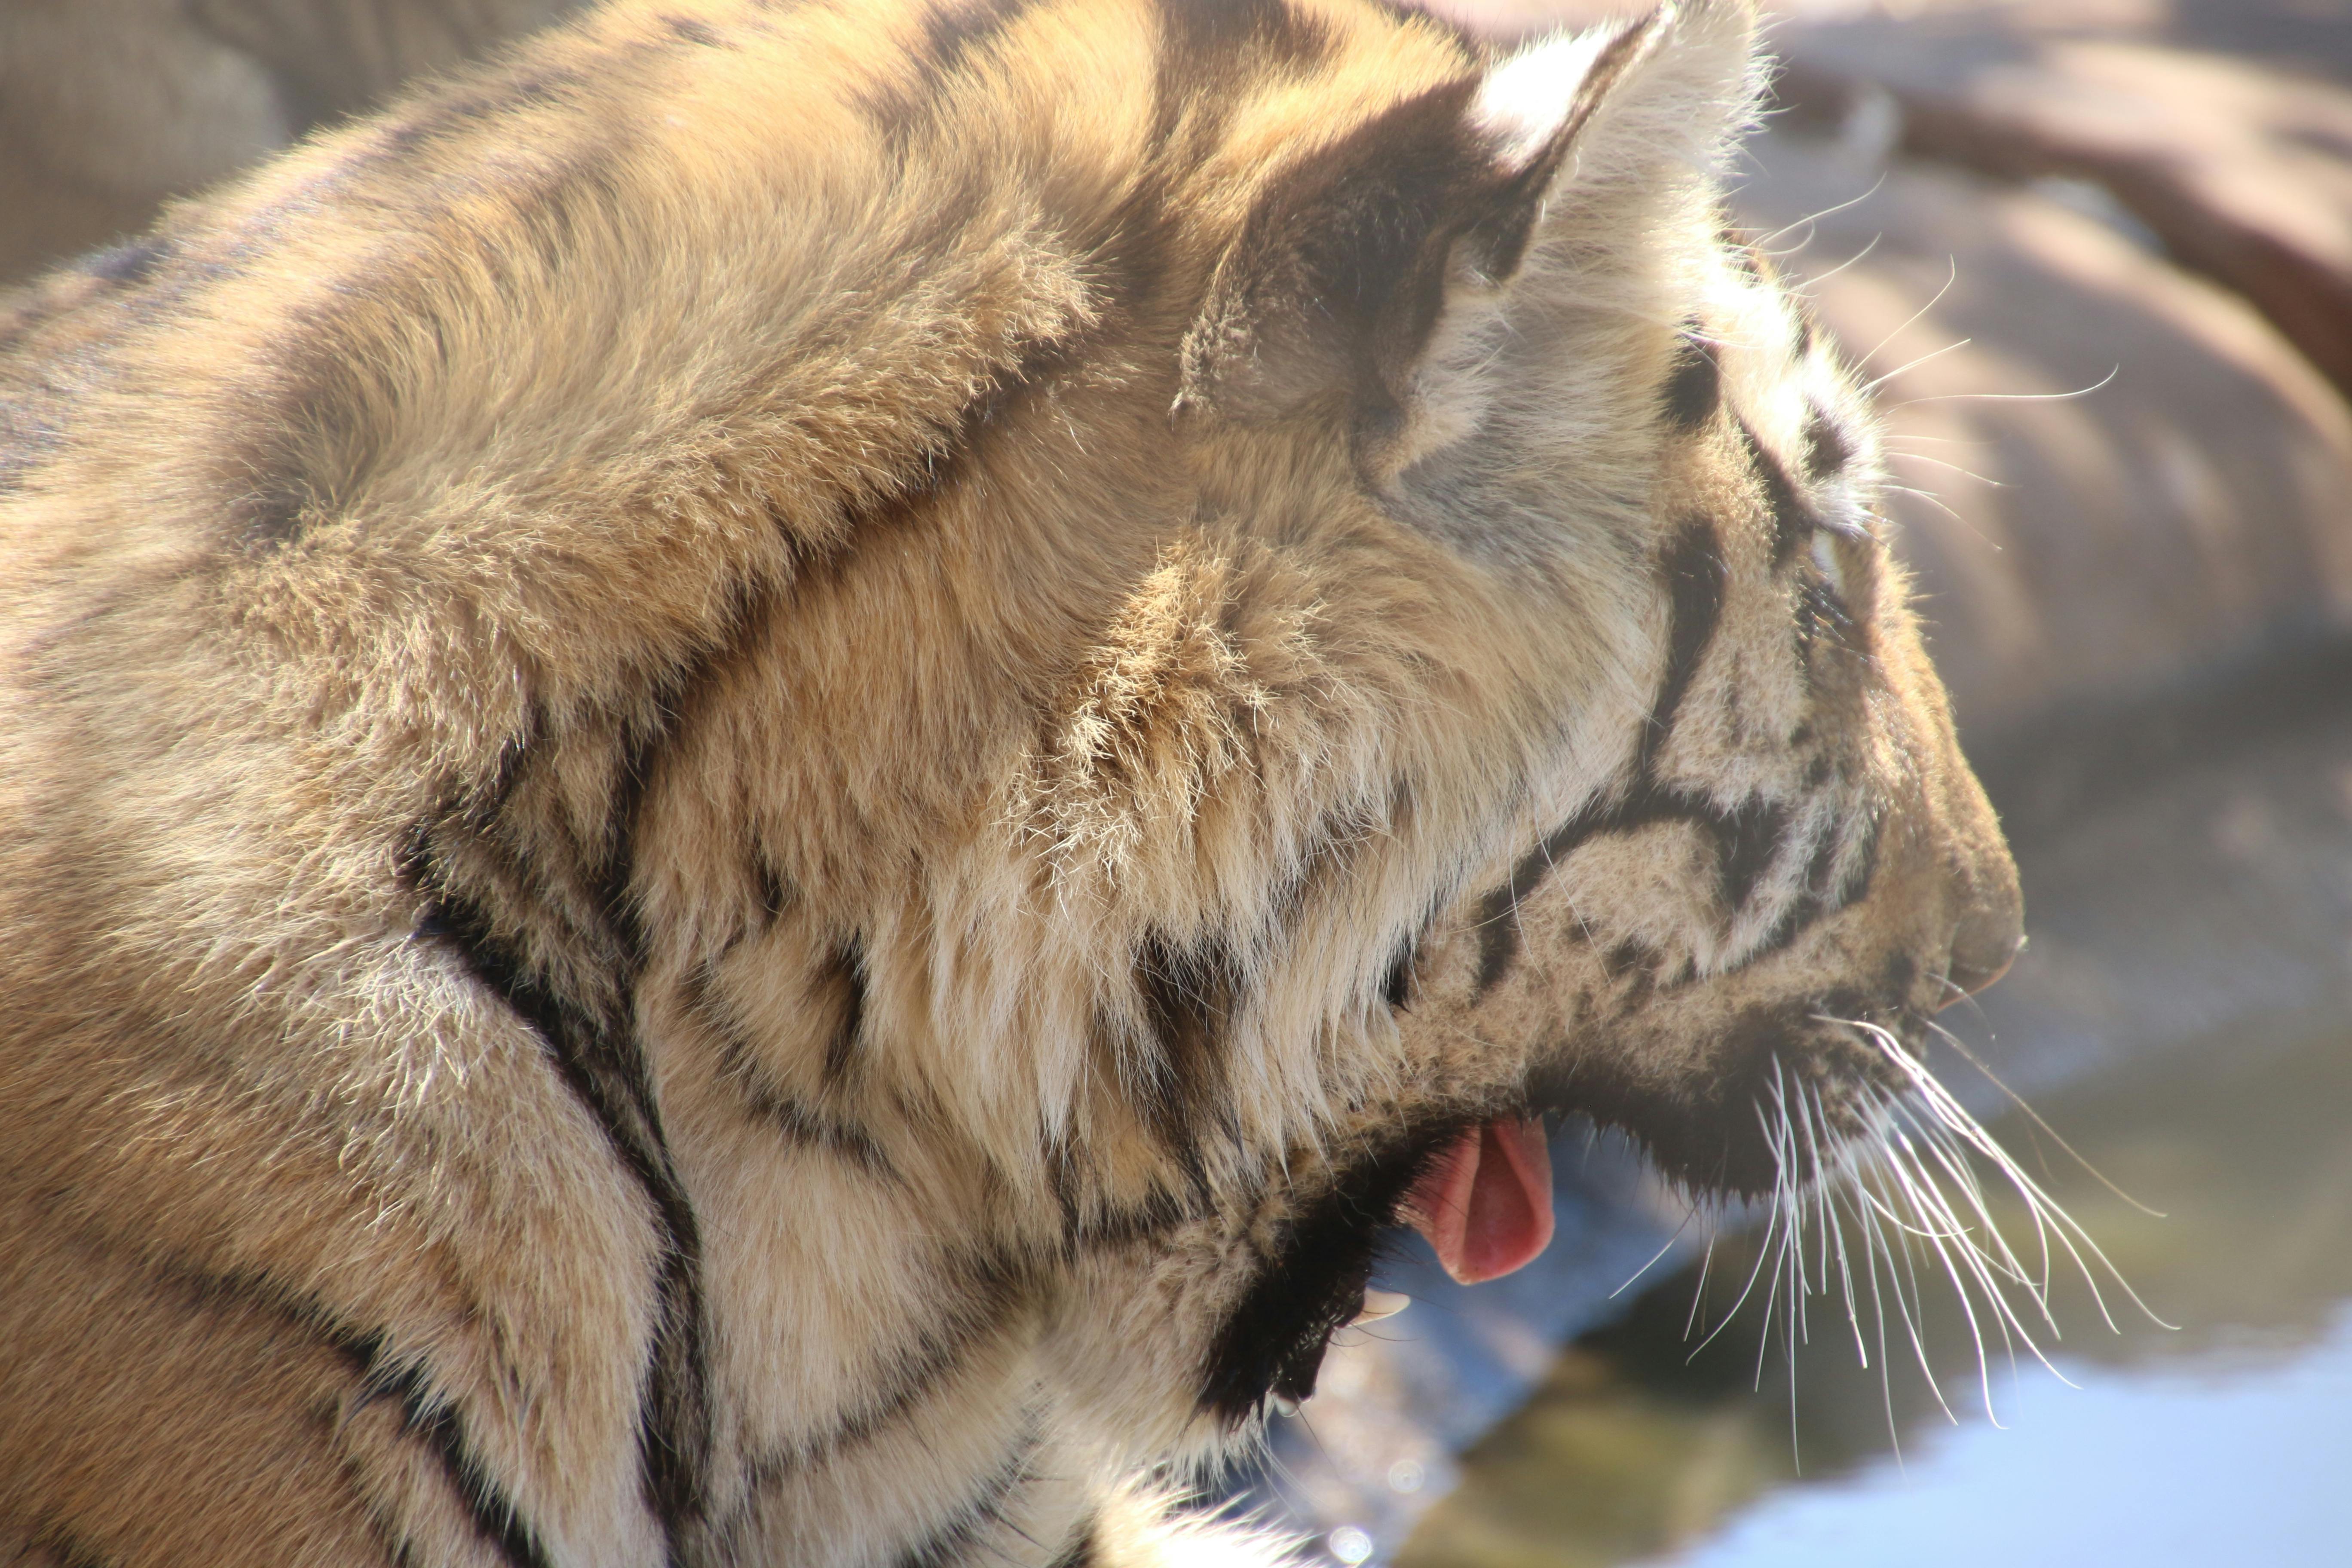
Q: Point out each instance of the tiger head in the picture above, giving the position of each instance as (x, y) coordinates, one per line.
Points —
(1497, 445)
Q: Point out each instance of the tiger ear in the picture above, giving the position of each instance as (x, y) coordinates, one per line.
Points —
(1349, 259)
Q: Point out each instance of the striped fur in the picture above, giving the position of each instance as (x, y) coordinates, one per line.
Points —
(762, 780)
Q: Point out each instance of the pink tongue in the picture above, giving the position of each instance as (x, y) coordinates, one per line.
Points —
(1486, 1205)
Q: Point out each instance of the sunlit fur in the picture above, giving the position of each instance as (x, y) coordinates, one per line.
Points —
(762, 780)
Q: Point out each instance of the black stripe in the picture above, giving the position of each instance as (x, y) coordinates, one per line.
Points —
(956, 28)
(1694, 571)
(1190, 996)
(1702, 1130)
(1694, 575)
(1792, 516)
(436, 1422)
(1397, 989)
(949, 1543)
(59, 1548)
(811, 1129)
(775, 893)
(804, 1125)
(1112, 1226)
(841, 982)
(1209, 40)
(692, 31)
(128, 264)
(1827, 451)
(952, 32)
(1694, 387)
(601, 1061)
(1748, 843)
(465, 103)
(316, 438)
(979, 1296)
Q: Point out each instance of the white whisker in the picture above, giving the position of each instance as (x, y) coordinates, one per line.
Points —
(1836, 1227)
(1662, 1251)
(1818, 278)
(1915, 364)
(1915, 315)
(2035, 1116)
(1765, 243)
(1764, 1250)
(1908, 1164)
(2005, 396)
(1930, 497)
(2063, 1224)
(1698, 1297)
(1893, 451)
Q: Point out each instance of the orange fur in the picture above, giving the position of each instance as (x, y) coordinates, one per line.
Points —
(743, 766)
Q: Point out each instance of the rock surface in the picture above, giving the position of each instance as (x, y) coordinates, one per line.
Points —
(110, 108)
(2241, 169)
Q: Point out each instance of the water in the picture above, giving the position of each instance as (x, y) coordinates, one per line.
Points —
(2230, 1459)
(2217, 1442)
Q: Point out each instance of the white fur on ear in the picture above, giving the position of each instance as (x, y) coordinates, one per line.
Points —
(1526, 101)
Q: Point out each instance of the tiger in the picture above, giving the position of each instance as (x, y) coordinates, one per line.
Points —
(770, 781)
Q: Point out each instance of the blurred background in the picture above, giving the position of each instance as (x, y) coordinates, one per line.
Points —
(2099, 254)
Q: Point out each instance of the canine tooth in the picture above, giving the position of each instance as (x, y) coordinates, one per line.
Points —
(1379, 1304)
(1283, 1404)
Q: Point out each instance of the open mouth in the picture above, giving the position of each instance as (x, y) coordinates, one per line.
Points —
(1484, 1203)
(1828, 1127)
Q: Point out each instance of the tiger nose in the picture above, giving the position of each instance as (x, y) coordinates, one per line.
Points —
(1986, 943)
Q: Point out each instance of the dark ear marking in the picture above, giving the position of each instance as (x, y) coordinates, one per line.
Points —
(1358, 228)
(1341, 271)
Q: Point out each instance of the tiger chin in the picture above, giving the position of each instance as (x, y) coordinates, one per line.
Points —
(765, 780)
